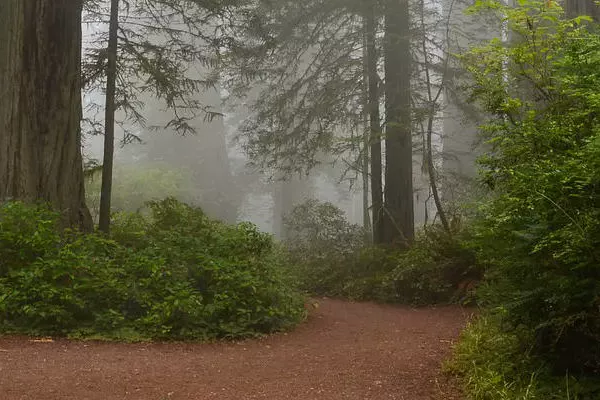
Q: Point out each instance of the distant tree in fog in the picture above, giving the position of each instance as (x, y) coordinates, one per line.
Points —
(317, 72)
(152, 50)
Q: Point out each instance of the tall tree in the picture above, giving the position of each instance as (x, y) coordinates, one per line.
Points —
(151, 52)
(398, 208)
(109, 119)
(372, 109)
(40, 106)
(365, 158)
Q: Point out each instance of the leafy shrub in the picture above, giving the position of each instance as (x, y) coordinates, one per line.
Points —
(235, 268)
(322, 246)
(27, 233)
(331, 257)
(438, 268)
(174, 275)
(540, 234)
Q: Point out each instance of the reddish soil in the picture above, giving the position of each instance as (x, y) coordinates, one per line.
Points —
(345, 350)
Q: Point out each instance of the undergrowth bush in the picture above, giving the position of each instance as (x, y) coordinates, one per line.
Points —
(331, 257)
(498, 364)
(321, 244)
(438, 268)
(175, 274)
(540, 233)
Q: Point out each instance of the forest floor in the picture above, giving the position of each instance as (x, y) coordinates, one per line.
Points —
(358, 351)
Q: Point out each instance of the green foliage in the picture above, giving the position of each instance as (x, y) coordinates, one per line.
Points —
(540, 234)
(330, 257)
(438, 268)
(321, 244)
(175, 274)
(497, 364)
(28, 233)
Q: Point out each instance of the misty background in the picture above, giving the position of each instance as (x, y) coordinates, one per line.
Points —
(209, 168)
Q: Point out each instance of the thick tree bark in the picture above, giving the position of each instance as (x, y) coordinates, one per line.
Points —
(575, 8)
(109, 120)
(398, 209)
(375, 124)
(40, 106)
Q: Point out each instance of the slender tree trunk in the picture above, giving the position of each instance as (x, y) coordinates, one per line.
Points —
(366, 135)
(40, 106)
(433, 101)
(278, 210)
(365, 180)
(433, 177)
(375, 124)
(109, 120)
(399, 210)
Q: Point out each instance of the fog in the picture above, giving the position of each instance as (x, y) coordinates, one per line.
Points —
(209, 168)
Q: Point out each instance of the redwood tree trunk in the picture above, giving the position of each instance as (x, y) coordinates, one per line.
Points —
(398, 209)
(575, 8)
(40, 106)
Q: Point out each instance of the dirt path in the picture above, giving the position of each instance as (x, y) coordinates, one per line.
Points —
(357, 351)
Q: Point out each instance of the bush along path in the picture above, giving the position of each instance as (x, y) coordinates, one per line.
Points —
(344, 350)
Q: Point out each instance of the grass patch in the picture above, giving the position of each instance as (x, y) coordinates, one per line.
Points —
(495, 364)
